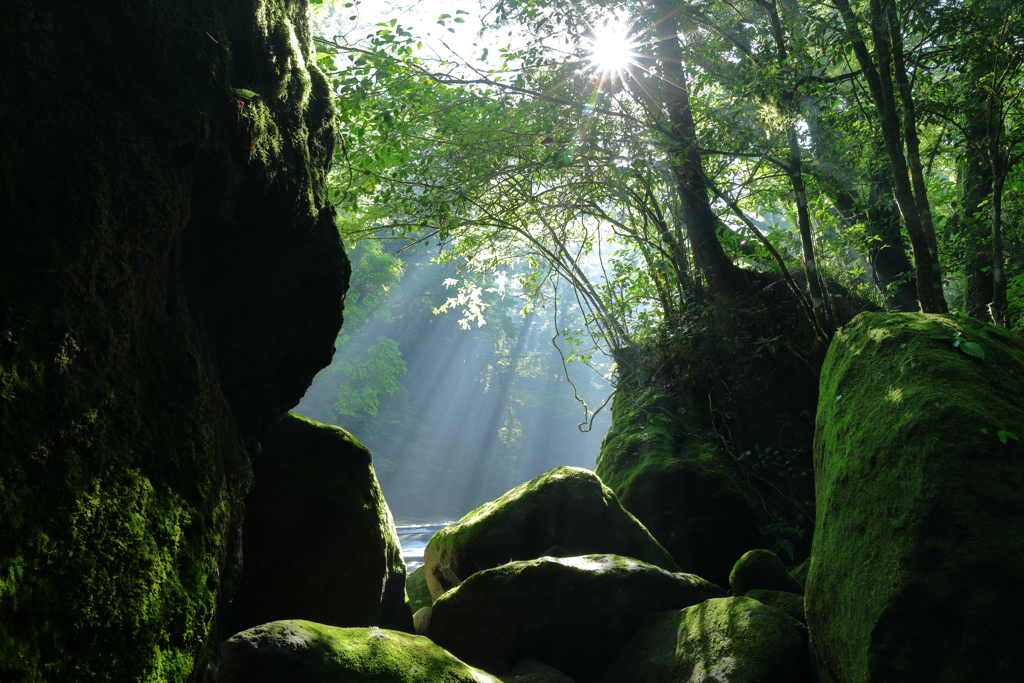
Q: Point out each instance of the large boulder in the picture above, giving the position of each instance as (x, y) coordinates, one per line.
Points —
(416, 589)
(736, 639)
(762, 569)
(919, 547)
(574, 614)
(564, 512)
(297, 650)
(171, 279)
(673, 477)
(318, 541)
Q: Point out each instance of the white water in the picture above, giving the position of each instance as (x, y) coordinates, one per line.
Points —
(414, 538)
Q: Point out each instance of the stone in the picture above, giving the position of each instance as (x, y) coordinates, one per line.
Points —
(574, 614)
(318, 542)
(421, 620)
(762, 569)
(919, 545)
(296, 650)
(531, 671)
(790, 603)
(680, 488)
(735, 639)
(567, 507)
(799, 572)
(416, 589)
(171, 280)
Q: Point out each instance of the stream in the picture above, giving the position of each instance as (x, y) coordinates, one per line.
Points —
(413, 539)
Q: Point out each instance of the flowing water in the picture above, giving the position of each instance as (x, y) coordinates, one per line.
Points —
(413, 538)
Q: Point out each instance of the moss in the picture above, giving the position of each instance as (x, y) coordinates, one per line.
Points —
(574, 614)
(790, 603)
(319, 539)
(567, 507)
(722, 639)
(761, 569)
(921, 519)
(282, 649)
(416, 589)
(123, 437)
(669, 473)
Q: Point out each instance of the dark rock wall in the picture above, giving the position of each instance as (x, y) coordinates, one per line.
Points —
(320, 543)
(170, 281)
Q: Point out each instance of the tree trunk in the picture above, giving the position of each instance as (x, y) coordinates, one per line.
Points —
(685, 162)
(977, 188)
(929, 280)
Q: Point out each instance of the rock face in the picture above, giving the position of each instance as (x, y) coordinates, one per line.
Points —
(416, 589)
(790, 603)
(318, 540)
(920, 489)
(725, 639)
(574, 614)
(679, 489)
(314, 653)
(170, 282)
(567, 507)
(762, 569)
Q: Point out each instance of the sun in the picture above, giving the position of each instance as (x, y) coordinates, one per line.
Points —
(611, 49)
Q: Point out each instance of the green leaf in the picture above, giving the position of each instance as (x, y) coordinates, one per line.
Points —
(247, 94)
(1004, 435)
(972, 349)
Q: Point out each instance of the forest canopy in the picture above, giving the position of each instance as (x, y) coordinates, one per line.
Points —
(873, 144)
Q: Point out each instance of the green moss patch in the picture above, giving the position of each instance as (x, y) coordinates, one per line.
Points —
(919, 482)
(567, 507)
(294, 649)
(726, 639)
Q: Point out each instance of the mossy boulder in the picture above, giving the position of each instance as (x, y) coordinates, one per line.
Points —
(790, 603)
(677, 484)
(725, 639)
(574, 614)
(416, 589)
(799, 572)
(318, 540)
(567, 507)
(296, 650)
(171, 280)
(919, 468)
(762, 569)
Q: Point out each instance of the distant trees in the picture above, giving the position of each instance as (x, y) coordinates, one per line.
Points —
(764, 134)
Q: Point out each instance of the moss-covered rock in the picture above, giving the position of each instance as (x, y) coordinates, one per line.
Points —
(319, 542)
(313, 653)
(920, 486)
(416, 589)
(762, 569)
(567, 507)
(726, 639)
(677, 486)
(799, 572)
(790, 603)
(574, 614)
(170, 282)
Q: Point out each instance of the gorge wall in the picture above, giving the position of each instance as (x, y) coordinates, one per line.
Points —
(170, 282)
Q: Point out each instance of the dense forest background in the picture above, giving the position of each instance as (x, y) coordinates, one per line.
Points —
(620, 178)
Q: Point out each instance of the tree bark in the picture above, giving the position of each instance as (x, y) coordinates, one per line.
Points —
(929, 279)
(685, 162)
